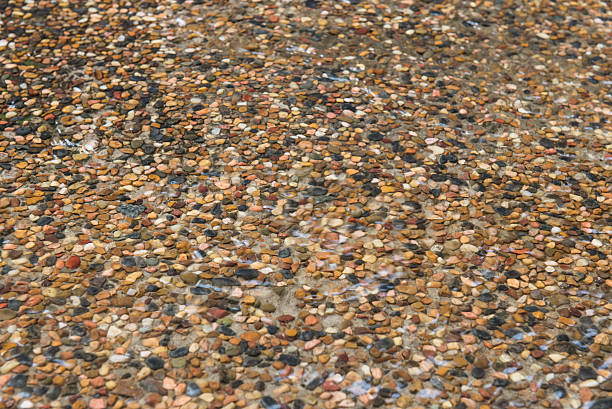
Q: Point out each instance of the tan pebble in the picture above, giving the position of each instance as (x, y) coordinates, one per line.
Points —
(407, 289)
(513, 283)
(602, 339)
(335, 222)
(250, 336)
(9, 366)
(369, 258)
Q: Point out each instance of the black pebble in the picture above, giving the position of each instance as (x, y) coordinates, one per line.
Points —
(586, 372)
(44, 220)
(54, 392)
(23, 131)
(247, 273)
(270, 403)
(289, 359)
(154, 362)
(501, 382)
(482, 334)
(18, 381)
(375, 136)
(478, 373)
(128, 261)
(226, 330)
(225, 282)
(193, 390)
(603, 403)
(176, 353)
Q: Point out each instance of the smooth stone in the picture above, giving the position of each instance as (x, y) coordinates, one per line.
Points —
(113, 332)
(189, 277)
(148, 149)
(375, 136)
(178, 362)
(269, 402)
(122, 301)
(606, 386)
(268, 307)
(585, 372)
(26, 404)
(556, 300)
(478, 373)
(232, 350)
(44, 220)
(127, 388)
(452, 245)
(603, 403)
(6, 314)
(225, 282)
(179, 352)
(289, 359)
(130, 210)
(154, 362)
(482, 334)
(247, 273)
(128, 261)
(481, 362)
(152, 386)
(193, 390)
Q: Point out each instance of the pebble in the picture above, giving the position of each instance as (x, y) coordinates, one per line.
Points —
(602, 403)
(154, 362)
(269, 403)
(193, 390)
(189, 277)
(6, 314)
(304, 204)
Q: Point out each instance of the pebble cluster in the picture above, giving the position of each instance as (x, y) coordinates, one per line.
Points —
(305, 204)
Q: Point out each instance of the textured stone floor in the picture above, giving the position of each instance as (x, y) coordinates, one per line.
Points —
(319, 204)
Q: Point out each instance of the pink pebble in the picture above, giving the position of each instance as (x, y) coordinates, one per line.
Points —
(97, 403)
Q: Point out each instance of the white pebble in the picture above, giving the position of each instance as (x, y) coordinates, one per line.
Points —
(113, 332)
(25, 404)
(115, 358)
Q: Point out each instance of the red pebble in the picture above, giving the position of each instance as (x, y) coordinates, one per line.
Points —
(73, 262)
(331, 386)
(153, 399)
(217, 313)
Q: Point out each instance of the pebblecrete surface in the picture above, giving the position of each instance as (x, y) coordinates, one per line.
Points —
(305, 204)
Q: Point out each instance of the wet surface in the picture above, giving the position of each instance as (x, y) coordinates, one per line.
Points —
(305, 204)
